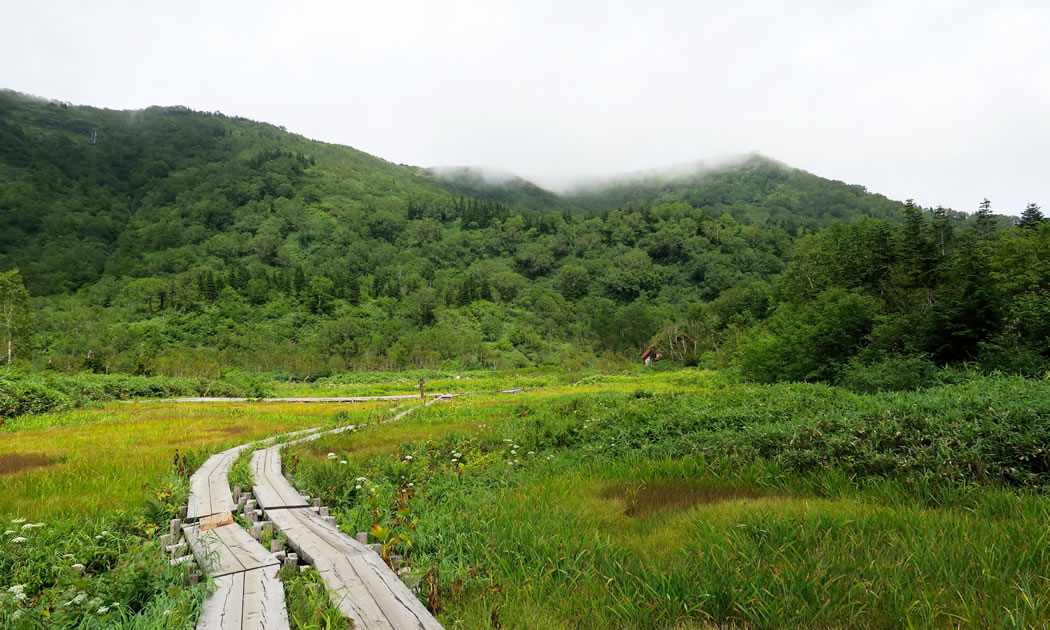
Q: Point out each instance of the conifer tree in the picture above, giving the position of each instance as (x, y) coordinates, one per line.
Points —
(942, 230)
(1031, 217)
(985, 223)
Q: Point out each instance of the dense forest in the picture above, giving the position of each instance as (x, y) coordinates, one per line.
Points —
(169, 241)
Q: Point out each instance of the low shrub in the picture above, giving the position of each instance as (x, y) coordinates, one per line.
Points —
(31, 393)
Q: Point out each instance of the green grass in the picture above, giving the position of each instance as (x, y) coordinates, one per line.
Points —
(98, 572)
(668, 499)
(656, 504)
(104, 483)
(309, 605)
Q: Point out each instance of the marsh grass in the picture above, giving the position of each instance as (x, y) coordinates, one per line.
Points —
(102, 461)
(785, 506)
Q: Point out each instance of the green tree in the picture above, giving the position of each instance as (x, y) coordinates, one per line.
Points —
(1031, 217)
(985, 221)
(14, 310)
(967, 310)
(318, 294)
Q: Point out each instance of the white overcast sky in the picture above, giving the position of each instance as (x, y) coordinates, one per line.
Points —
(943, 101)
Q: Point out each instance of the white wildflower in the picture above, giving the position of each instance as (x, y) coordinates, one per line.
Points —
(411, 485)
(372, 490)
(331, 455)
(99, 537)
(454, 460)
(68, 556)
(105, 533)
(513, 452)
(79, 598)
(31, 526)
(18, 520)
(17, 588)
(343, 462)
(506, 440)
(531, 453)
(10, 531)
(77, 567)
(166, 612)
(15, 616)
(457, 455)
(103, 610)
(20, 597)
(20, 539)
(357, 487)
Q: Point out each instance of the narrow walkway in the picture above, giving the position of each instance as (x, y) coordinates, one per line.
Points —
(210, 486)
(362, 585)
(308, 399)
(249, 596)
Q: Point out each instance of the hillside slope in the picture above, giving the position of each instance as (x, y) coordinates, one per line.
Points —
(187, 243)
(86, 191)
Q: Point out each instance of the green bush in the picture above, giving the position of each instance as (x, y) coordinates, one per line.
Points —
(30, 393)
(891, 374)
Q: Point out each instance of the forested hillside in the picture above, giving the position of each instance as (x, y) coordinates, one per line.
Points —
(186, 243)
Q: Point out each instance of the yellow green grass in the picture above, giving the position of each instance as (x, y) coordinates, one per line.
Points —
(98, 460)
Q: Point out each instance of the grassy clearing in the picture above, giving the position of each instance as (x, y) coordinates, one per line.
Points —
(393, 383)
(100, 482)
(710, 504)
(97, 460)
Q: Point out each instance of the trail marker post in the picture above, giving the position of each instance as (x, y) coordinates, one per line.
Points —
(421, 396)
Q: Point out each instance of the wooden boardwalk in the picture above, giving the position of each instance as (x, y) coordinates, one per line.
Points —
(316, 399)
(249, 595)
(362, 585)
(210, 491)
(271, 489)
(210, 487)
(226, 550)
(249, 599)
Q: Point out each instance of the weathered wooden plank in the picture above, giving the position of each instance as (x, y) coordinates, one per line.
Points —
(271, 489)
(363, 587)
(227, 549)
(222, 609)
(264, 600)
(249, 600)
(209, 488)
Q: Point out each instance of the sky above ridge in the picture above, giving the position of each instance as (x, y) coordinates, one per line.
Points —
(942, 101)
